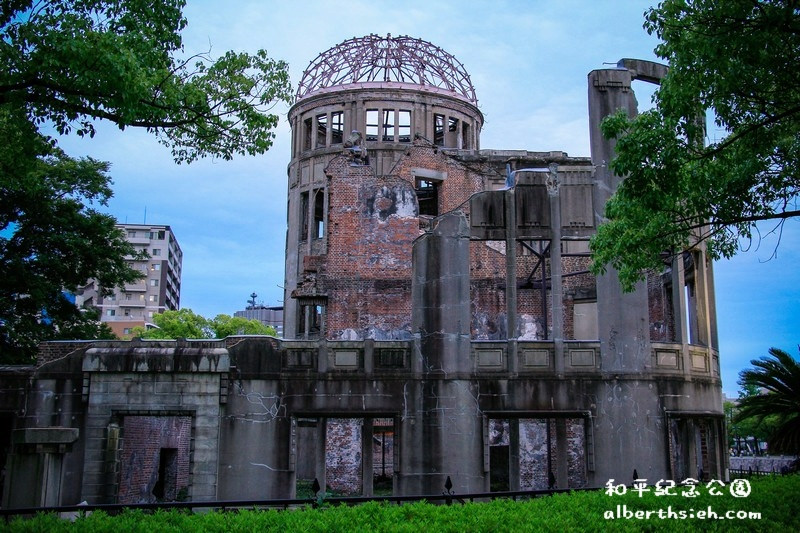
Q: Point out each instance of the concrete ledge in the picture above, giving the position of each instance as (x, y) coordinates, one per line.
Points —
(137, 357)
(51, 435)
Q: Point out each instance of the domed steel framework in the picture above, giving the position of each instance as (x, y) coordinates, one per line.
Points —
(387, 59)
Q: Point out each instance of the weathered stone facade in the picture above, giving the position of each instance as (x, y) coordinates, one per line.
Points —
(438, 310)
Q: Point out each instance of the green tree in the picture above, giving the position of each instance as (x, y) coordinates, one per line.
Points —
(68, 62)
(777, 378)
(186, 324)
(226, 326)
(181, 324)
(52, 240)
(65, 64)
(738, 59)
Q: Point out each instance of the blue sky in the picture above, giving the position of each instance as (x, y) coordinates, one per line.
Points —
(528, 61)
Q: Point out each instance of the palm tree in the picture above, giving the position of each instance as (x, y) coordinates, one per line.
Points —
(778, 380)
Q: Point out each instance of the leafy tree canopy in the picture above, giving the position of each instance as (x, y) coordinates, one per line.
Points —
(66, 63)
(739, 59)
(225, 326)
(777, 378)
(186, 324)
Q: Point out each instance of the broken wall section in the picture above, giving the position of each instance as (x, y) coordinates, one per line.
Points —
(366, 274)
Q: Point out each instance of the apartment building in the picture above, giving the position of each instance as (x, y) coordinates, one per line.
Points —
(159, 290)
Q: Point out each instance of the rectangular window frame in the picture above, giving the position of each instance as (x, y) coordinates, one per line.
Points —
(372, 117)
(337, 127)
(388, 129)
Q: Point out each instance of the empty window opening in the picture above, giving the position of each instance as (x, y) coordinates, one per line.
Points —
(337, 127)
(310, 323)
(315, 321)
(303, 216)
(322, 130)
(404, 126)
(466, 141)
(382, 456)
(453, 138)
(388, 125)
(694, 318)
(307, 128)
(309, 441)
(499, 455)
(371, 131)
(319, 214)
(438, 130)
(428, 196)
(166, 485)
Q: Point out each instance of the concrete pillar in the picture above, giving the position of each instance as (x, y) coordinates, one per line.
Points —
(561, 470)
(447, 422)
(556, 284)
(34, 468)
(622, 317)
(367, 458)
(322, 439)
(511, 264)
(513, 457)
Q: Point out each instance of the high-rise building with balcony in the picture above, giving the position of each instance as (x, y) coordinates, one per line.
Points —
(159, 290)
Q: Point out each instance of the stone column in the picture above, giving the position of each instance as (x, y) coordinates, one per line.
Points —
(442, 436)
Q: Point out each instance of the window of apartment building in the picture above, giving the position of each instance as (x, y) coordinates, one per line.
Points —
(322, 129)
(127, 312)
(154, 283)
(154, 298)
(156, 251)
(127, 331)
(427, 196)
(307, 127)
(155, 266)
(158, 235)
(404, 126)
(371, 130)
(128, 296)
(337, 127)
(111, 312)
(149, 314)
(388, 125)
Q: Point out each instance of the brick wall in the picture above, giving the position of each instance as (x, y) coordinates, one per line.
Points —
(145, 439)
(373, 222)
(54, 350)
(533, 453)
(343, 455)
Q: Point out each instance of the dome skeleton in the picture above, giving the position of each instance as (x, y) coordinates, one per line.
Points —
(390, 59)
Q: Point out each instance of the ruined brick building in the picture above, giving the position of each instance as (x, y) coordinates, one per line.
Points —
(440, 321)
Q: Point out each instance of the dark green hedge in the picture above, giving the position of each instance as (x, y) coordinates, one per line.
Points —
(776, 498)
